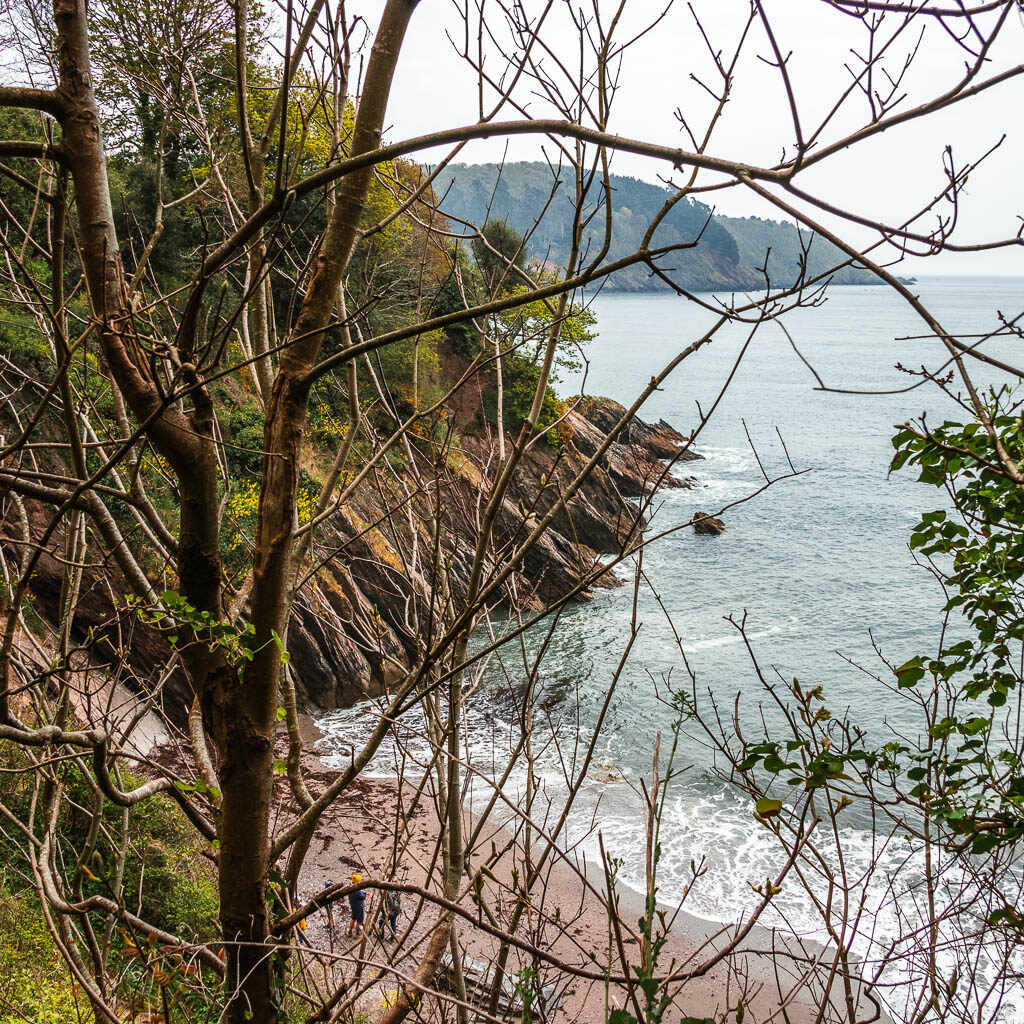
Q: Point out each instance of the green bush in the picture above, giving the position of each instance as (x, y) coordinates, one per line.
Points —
(463, 337)
(178, 888)
(411, 370)
(34, 982)
(245, 454)
(520, 377)
(22, 343)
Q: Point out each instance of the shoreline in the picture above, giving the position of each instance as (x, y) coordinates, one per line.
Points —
(567, 915)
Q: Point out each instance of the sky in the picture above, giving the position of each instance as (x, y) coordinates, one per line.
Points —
(891, 177)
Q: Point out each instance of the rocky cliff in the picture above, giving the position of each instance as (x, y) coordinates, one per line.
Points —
(357, 623)
(721, 254)
(354, 632)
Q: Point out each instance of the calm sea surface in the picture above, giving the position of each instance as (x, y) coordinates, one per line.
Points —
(819, 564)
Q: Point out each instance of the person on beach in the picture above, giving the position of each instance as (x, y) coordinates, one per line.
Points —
(389, 911)
(330, 913)
(357, 906)
(300, 930)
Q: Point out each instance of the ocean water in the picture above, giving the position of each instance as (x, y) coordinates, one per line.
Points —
(818, 564)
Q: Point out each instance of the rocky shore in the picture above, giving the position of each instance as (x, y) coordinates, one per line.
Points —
(353, 632)
(354, 626)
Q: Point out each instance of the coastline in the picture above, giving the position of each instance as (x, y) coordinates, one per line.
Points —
(387, 831)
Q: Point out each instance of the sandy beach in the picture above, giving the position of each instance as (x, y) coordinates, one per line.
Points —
(384, 831)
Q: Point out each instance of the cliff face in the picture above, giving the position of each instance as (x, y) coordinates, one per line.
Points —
(352, 634)
(356, 624)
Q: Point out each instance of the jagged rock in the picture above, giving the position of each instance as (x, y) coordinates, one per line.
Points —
(635, 461)
(707, 525)
(661, 440)
(355, 624)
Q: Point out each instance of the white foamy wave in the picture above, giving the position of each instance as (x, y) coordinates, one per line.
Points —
(708, 825)
(724, 475)
(713, 492)
(715, 832)
(733, 637)
(408, 749)
(723, 459)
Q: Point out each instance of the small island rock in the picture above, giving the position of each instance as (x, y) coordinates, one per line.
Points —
(708, 525)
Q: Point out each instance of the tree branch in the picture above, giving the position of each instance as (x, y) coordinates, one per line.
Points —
(47, 100)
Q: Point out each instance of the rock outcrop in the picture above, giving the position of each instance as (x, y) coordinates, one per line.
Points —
(707, 525)
(357, 623)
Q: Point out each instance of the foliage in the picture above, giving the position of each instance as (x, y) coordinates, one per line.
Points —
(194, 626)
(498, 249)
(178, 886)
(529, 325)
(245, 454)
(458, 292)
(325, 427)
(234, 285)
(520, 378)
(34, 982)
(309, 138)
(411, 370)
(967, 775)
(164, 879)
(20, 338)
(148, 59)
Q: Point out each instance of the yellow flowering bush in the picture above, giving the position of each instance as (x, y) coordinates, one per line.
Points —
(245, 501)
(306, 504)
(324, 426)
(244, 505)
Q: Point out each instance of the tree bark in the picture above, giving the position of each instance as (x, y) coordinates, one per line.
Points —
(238, 711)
(244, 725)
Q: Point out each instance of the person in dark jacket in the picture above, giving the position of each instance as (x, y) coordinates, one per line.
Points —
(330, 912)
(389, 911)
(357, 906)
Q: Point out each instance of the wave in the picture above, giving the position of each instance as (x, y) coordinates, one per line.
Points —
(735, 638)
(704, 822)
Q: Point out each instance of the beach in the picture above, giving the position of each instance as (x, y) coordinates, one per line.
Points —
(385, 831)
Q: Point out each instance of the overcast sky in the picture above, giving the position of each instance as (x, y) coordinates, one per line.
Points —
(889, 178)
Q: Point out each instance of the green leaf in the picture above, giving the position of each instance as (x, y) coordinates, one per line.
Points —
(910, 673)
(621, 1017)
(767, 808)
(986, 842)
(279, 766)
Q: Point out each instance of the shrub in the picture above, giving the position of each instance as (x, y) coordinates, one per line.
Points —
(520, 378)
(34, 982)
(245, 455)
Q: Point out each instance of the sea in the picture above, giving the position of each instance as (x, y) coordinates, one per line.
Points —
(814, 564)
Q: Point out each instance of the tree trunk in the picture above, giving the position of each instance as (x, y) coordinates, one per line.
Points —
(238, 712)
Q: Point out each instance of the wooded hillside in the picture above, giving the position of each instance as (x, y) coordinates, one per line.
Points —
(730, 252)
